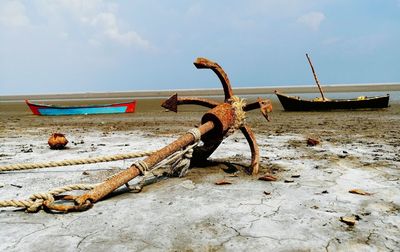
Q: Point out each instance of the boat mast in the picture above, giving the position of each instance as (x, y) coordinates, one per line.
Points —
(316, 78)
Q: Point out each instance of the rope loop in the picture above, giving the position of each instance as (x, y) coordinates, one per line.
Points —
(196, 134)
(142, 166)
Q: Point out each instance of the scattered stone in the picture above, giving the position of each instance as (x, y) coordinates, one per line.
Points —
(17, 186)
(223, 182)
(267, 177)
(349, 220)
(57, 141)
(188, 184)
(345, 152)
(27, 150)
(324, 191)
(342, 155)
(85, 173)
(312, 141)
(289, 181)
(359, 191)
(267, 193)
(296, 176)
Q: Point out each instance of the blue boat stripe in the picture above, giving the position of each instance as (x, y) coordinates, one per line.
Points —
(82, 111)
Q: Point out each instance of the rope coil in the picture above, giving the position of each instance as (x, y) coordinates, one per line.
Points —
(179, 163)
(35, 201)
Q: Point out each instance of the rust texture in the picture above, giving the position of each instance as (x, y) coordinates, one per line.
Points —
(215, 124)
(223, 117)
(255, 152)
(125, 176)
(201, 63)
(173, 102)
(222, 114)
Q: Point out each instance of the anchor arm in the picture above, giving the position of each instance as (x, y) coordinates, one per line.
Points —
(201, 63)
(173, 102)
(255, 152)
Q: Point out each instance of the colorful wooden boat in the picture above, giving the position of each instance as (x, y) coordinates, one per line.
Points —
(53, 110)
(294, 103)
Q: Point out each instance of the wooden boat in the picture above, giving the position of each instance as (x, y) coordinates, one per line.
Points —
(53, 110)
(294, 103)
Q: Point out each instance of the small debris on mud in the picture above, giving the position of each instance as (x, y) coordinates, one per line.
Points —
(27, 150)
(359, 191)
(312, 141)
(268, 177)
(289, 181)
(296, 176)
(349, 220)
(223, 182)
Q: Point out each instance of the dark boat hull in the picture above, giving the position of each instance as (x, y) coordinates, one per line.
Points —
(51, 110)
(290, 103)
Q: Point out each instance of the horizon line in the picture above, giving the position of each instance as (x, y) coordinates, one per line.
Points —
(395, 85)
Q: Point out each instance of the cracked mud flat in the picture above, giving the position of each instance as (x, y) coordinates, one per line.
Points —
(358, 150)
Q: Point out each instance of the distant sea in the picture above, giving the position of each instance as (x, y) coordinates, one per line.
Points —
(330, 91)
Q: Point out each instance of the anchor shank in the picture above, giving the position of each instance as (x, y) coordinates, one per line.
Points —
(125, 176)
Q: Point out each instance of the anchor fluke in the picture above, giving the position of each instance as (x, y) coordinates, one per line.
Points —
(171, 104)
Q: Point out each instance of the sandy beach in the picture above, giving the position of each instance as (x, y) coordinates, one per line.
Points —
(299, 211)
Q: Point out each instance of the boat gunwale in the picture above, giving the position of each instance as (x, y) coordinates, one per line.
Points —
(330, 100)
(78, 106)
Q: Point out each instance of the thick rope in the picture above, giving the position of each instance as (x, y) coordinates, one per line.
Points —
(240, 115)
(68, 162)
(196, 134)
(179, 162)
(35, 201)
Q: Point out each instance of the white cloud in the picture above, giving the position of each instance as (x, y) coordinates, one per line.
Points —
(107, 22)
(312, 20)
(12, 14)
(101, 15)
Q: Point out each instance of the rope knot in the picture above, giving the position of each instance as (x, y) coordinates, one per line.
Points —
(142, 166)
(240, 116)
(196, 134)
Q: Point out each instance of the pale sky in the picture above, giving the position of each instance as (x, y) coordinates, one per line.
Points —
(58, 46)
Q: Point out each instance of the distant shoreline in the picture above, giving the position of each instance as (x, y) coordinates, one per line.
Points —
(380, 87)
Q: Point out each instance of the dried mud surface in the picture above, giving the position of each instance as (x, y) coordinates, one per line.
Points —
(299, 211)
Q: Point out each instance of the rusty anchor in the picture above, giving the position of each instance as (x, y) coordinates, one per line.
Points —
(216, 123)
